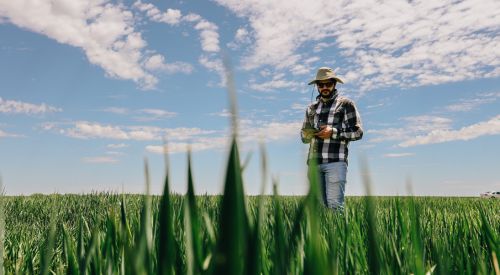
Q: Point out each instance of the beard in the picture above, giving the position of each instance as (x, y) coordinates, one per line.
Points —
(326, 93)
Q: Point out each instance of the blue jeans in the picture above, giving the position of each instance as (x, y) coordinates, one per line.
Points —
(332, 179)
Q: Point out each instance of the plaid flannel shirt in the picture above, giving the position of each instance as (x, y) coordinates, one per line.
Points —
(339, 113)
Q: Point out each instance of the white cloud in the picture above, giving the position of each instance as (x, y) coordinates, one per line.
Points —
(242, 37)
(103, 159)
(421, 130)
(104, 31)
(299, 69)
(200, 144)
(93, 130)
(270, 131)
(209, 35)
(171, 16)
(147, 114)
(154, 114)
(312, 59)
(4, 134)
(117, 146)
(192, 17)
(251, 132)
(378, 105)
(398, 155)
(388, 134)
(144, 133)
(410, 43)
(413, 126)
(223, 113)
(322, 45)
(298, 107)
(19, 107)
(115, 153)
(295, 110)
(485, 128)
(426, 123)
(265, 73)
(116, 110)
(157, 63)
(466, 105)
(209, 39)
(215, 65)
(83, 129)
(278, 82)
(174, 134)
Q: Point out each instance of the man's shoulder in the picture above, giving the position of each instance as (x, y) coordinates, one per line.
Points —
(312, 106)
(345, 101)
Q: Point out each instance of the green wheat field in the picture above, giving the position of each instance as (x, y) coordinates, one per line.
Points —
(105, 233)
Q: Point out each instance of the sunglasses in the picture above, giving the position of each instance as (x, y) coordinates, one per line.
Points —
(325, 84)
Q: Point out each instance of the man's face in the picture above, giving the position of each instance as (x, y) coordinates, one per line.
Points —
(325, 87)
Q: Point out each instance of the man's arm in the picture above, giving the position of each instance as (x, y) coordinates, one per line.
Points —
(353, 128)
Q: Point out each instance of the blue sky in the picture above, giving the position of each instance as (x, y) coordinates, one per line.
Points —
(88, 89)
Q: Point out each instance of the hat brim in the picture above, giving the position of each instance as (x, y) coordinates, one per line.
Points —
(338, 79)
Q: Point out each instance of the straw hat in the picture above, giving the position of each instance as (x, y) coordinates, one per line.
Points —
(325, 73)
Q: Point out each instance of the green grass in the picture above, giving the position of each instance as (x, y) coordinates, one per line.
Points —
(94, 234)
(104, 233)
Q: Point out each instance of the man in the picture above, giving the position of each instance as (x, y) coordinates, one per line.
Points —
(329, 125)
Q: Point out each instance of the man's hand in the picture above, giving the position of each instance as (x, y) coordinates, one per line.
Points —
(326, 132)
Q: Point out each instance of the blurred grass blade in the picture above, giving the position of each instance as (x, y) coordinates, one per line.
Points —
(82, 253)
(495, 263)
(192, 227)
(416, 238)
(233, 230)
(231, 89)
(143, 260)
(345, 241)
(80, 249)
(254, 263)
(374, 257)
(69, 252)
(233, 222)
(491, 239)
(246, 162)
(48, 248)
(280, 246)
(212, 242)
(126, 235)
(315, 254)
(296, 236)
(166, 253)
(90, 252)
(110, 244)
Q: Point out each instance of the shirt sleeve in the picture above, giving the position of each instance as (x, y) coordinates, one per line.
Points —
(351, 126)
(305, 125)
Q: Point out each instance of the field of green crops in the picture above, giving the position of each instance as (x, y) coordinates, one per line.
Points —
(106, 233)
